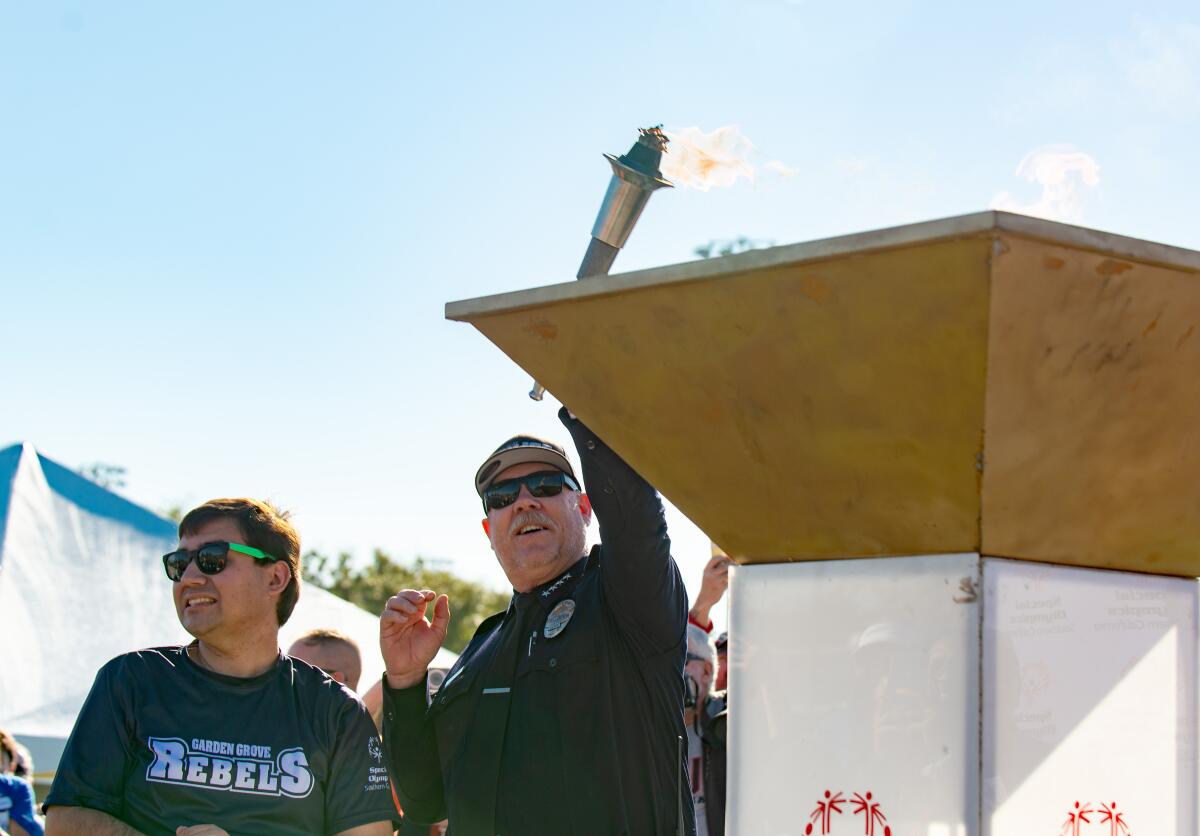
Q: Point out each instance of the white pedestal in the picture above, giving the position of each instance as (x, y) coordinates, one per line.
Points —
(952, 694)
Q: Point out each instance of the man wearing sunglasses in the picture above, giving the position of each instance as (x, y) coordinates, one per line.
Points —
(565, 713)
(226, 734)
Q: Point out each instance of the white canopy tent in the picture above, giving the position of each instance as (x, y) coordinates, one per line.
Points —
(81, 581)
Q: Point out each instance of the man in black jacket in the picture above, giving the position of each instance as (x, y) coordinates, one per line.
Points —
(564, 715)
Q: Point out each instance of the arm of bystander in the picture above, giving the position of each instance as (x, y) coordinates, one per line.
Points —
(66, 821)
(713, 584)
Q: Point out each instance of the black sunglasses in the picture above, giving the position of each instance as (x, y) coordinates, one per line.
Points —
(541, 484)
(210, 558)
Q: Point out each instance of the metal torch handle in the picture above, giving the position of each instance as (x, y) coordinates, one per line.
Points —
(635, 176)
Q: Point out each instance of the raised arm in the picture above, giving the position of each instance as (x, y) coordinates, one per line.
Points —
(712, 587)
(636, 563)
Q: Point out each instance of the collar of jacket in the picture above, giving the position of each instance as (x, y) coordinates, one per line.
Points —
(553, 591)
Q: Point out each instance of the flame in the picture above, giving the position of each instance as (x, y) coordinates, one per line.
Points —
(702, 160)
(1064, 173)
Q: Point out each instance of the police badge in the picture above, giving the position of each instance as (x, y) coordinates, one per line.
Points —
(559, 617)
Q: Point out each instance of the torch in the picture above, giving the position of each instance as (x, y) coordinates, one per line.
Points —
(635, 176)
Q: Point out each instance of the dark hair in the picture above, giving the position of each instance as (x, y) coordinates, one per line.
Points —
(264, 527)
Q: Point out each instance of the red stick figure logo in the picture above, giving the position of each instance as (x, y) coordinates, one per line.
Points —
(872, 815)
(1076, 817)
(830, 805)
(826, 807)
(1115, 820)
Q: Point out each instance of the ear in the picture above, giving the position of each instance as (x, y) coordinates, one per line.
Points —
(281, 575)
(585, 508)
(487, 527)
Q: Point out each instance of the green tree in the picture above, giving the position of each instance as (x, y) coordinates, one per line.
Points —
(370, 586)
(105, 475)
(731, 246)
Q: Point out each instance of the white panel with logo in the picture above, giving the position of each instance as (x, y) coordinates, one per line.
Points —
(854, 697)
(1090, 702)
(855, 700)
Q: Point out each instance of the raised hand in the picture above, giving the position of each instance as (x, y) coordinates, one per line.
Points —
(712, 586)
(407, 639)
(715, 581)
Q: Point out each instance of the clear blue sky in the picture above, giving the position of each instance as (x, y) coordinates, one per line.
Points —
(227, 230)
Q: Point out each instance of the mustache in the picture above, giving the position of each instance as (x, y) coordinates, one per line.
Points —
(530, 518)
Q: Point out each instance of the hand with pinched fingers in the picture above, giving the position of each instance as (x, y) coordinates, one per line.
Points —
(200, 830)
(409, 640)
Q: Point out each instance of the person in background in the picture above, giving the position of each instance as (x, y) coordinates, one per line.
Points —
(705, 710)
(226, 734)
(9, 754)
(23, 765)
(333, 652)
(705, 714)
(722, 643)
(18, 815)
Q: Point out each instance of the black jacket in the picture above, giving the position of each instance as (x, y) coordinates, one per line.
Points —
(581, 733)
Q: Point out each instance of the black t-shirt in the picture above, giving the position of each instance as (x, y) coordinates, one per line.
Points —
(162, 742)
